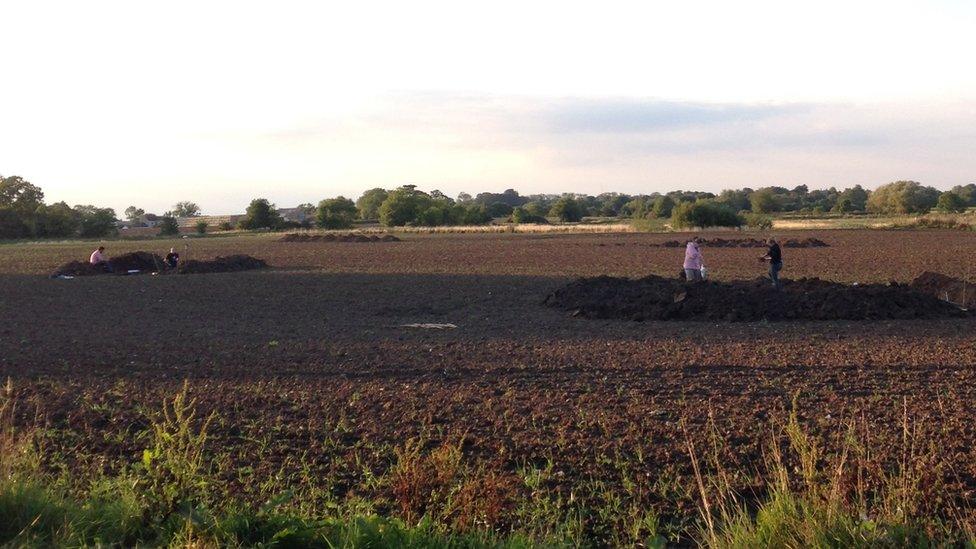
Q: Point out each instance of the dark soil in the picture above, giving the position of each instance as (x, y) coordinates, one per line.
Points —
(144, 262)
(657, 298)
(331, 237)
(750, 243)
(229, 264)
(946, 288)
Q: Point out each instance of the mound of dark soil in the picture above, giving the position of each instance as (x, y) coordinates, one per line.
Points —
(657, 298)
(144, 262)
(332, 237)
(229, 264)
(750, 243)
(77, 268)
(946, 288)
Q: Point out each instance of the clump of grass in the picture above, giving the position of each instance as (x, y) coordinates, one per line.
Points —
(843, 499)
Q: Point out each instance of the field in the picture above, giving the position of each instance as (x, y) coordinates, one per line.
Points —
(521, 420)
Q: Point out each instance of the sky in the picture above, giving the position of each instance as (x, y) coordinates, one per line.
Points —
(137, 103)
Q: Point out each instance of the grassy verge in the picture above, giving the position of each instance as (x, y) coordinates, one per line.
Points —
(433, 497)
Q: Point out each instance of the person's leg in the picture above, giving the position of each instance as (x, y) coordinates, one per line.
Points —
(691, 275)
(774, 269)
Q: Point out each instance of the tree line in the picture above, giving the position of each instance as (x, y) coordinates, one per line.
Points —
(24, 214)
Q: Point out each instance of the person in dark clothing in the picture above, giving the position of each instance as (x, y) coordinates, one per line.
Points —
(172, 258)
(775, 258)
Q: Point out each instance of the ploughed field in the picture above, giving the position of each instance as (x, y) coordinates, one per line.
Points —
(313, 374)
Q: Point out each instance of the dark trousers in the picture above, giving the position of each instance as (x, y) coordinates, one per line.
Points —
(105, 266)
(774, 269)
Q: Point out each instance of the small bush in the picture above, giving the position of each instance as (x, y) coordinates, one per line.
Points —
(759, 221)
(567, 209)
(169, 227)
(226, 226)
(704, 213)
(201, 227)
(520, 215)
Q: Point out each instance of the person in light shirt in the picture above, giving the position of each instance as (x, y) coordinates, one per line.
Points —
(98, 259)
(693, 260)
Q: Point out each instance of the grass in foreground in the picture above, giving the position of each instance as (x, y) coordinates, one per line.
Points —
(171, 497)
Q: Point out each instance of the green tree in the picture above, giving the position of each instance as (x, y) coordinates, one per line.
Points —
(19, 194)
(184, 209)
(132, 213)
(96, 222)
(369, 203)
(764, 201)
(951, 202)
(844, 205)
(663, 205)
(499, 209)
(261, 214)
(335, 213)
(470, 214)
(902, 197)
(567, 209)
(737, 199)
(704, 213)
(201, 227)
(403, 206)
(168, 226)
(967, 192)
(535, 208)
(57, 221)
(857, 197)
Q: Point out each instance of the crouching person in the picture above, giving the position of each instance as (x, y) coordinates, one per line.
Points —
(172, 259)
(99, 260)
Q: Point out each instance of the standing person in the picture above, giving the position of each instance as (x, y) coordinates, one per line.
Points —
(172, 258)
(693, 260)
(775, 258)
(99, 260)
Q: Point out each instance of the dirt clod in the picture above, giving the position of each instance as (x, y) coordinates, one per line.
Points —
(657, 298)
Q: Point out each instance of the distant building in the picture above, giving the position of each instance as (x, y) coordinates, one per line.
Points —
(295, 215)
(144, 220)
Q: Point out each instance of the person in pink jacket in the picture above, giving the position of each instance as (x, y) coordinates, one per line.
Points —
(693, 260)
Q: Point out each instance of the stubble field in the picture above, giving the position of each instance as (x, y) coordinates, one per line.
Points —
(318, 388)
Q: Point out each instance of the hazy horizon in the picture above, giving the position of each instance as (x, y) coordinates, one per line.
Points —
(118, 104)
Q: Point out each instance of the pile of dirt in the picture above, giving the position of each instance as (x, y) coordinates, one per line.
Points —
(143, 262)
(331, 237)
(946, 288)
(750, 243)
(229, 264)
(657, 298)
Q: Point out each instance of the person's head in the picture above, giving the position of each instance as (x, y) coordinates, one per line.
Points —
(172, 250)
(771, 241)
(101, 248)
(697, 240)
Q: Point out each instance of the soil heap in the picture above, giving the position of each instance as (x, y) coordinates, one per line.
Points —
(657, 298)
(750, 243)
(229, 264)
(332, 237)
(946, 288)
(144, 262)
